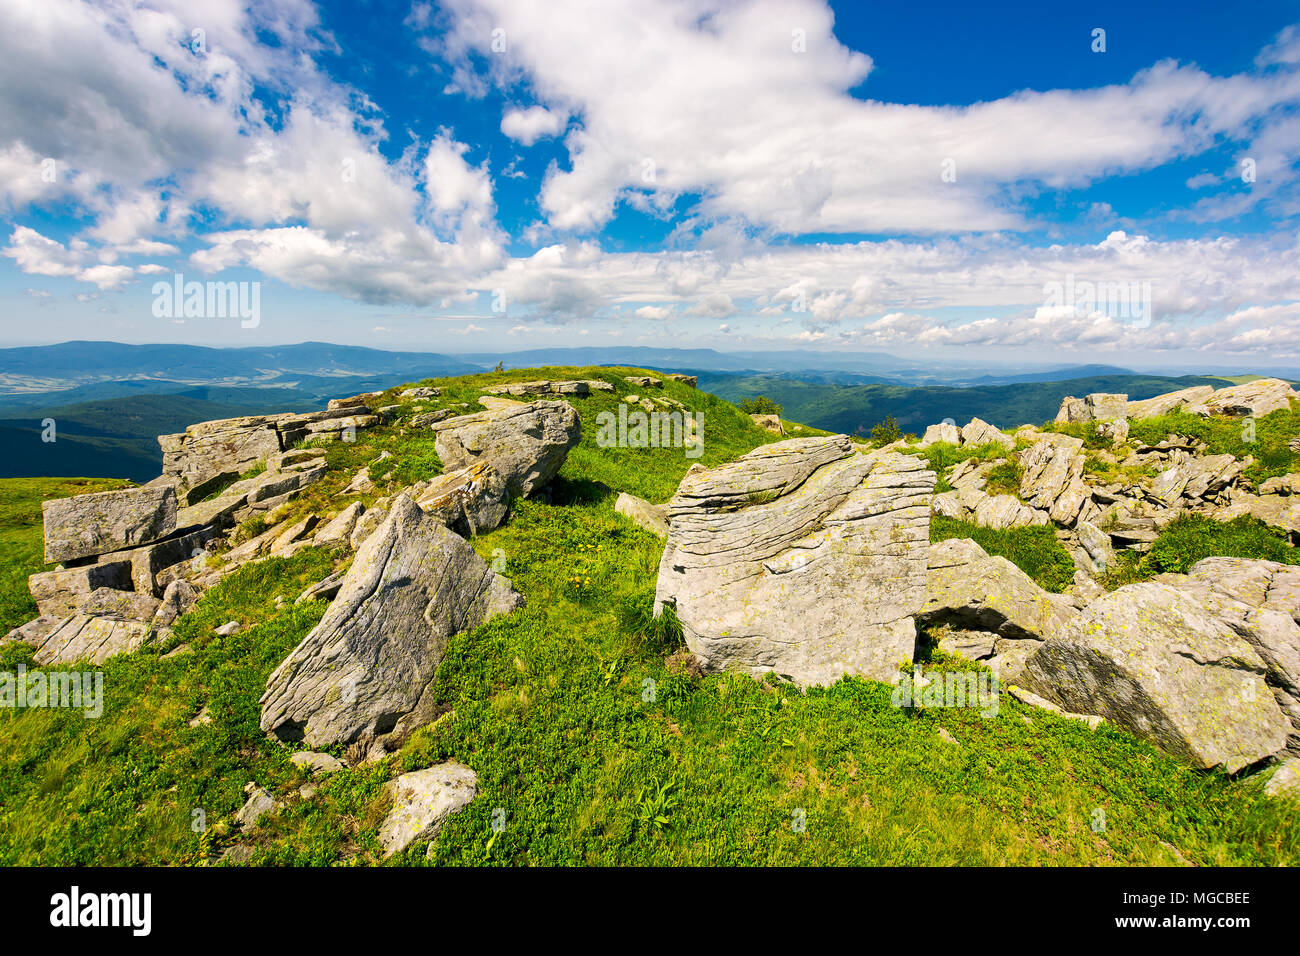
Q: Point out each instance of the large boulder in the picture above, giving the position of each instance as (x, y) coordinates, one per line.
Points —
(943, 432)
(1255, 398)
(996, 613)
(979, 432)
(1152, 659)
(805, 557)
(371, 660)
(88, 525)
(525, 443)
(422, 800)
(1169, 402)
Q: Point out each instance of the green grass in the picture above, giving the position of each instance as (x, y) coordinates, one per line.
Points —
(1190, 538)
(21, 542)
(1033, 549)
(593, 736)
(1231, 436)
(1004, 478)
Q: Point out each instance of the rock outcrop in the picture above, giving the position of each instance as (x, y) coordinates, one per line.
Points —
(526, 444)
(804, 557)
(1169, 402)
(1256, 399)
(371, 661)
(1152, 659)
(532, 389)
(469, 501)
(992, 611)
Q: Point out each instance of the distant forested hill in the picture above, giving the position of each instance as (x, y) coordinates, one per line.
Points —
(856, 408)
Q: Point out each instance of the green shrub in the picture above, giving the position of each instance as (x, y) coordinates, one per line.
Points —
(1189, 538)
(762, 405)
(885, 432)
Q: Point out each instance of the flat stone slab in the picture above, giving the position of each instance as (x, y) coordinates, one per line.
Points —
(87, 525)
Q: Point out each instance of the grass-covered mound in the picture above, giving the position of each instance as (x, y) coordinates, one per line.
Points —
(593, 737)
(1190, 538)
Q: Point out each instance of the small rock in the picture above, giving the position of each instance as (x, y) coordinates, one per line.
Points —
(225, 630)
(318, 763)
(422, 800)
(259, 803)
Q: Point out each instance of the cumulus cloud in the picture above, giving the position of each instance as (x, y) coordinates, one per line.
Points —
(693, 97)
(530, 125)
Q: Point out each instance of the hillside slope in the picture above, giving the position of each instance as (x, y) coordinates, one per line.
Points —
(594, 737)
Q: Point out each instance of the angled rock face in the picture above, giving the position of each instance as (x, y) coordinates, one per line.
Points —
(1053, 477)
(422, 800)
(980, 432)
(942, 432)
(1152, 659)
(87, 525)
(969, 590)
(1254, 398)
(803, 557)
(1169, 402)
(412, 586)
(526, 444)
(82, 637)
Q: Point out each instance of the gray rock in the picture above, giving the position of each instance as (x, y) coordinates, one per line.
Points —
(34, 632)
(225, 630)
(61, 592)
(942, 432)
(1256, 398)
(804, 557)
(371, 661)
(81, 637)
(422, 801)
(690, 380)
(1053, 477)
(323, 590)
(469, 501)
(1105, 406)
(260, 802)
(86, 525)
(533, 389)
(123, 605)
(972, 591)
(979, 432)
(643, 381)
(769, 423)
(366, 525)
(178, 598)
(421, 392)
(339, 528)
(1152, 660)
(320, 765)
(1097, 544)
(1284, 781)
(527, 444)
(643, 514)
(1169, 402)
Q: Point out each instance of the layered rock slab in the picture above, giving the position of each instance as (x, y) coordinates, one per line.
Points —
(804, 557)
(370, 662)
(86, 525)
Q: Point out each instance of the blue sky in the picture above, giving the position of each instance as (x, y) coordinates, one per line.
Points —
(923, 179)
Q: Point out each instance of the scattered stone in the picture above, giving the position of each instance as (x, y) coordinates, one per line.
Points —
(339, 528)
(1285, 780)
(769, 423)
(943, 432)
(690, 380)
(643, 381)
(225, 630)
(203, 717)
(978, 432)
(1033, 700)
(323, 590)
(422, 392)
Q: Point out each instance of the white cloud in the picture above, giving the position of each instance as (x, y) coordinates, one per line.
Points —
(530, 125)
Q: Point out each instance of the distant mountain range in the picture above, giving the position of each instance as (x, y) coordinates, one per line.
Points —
(109, 401)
